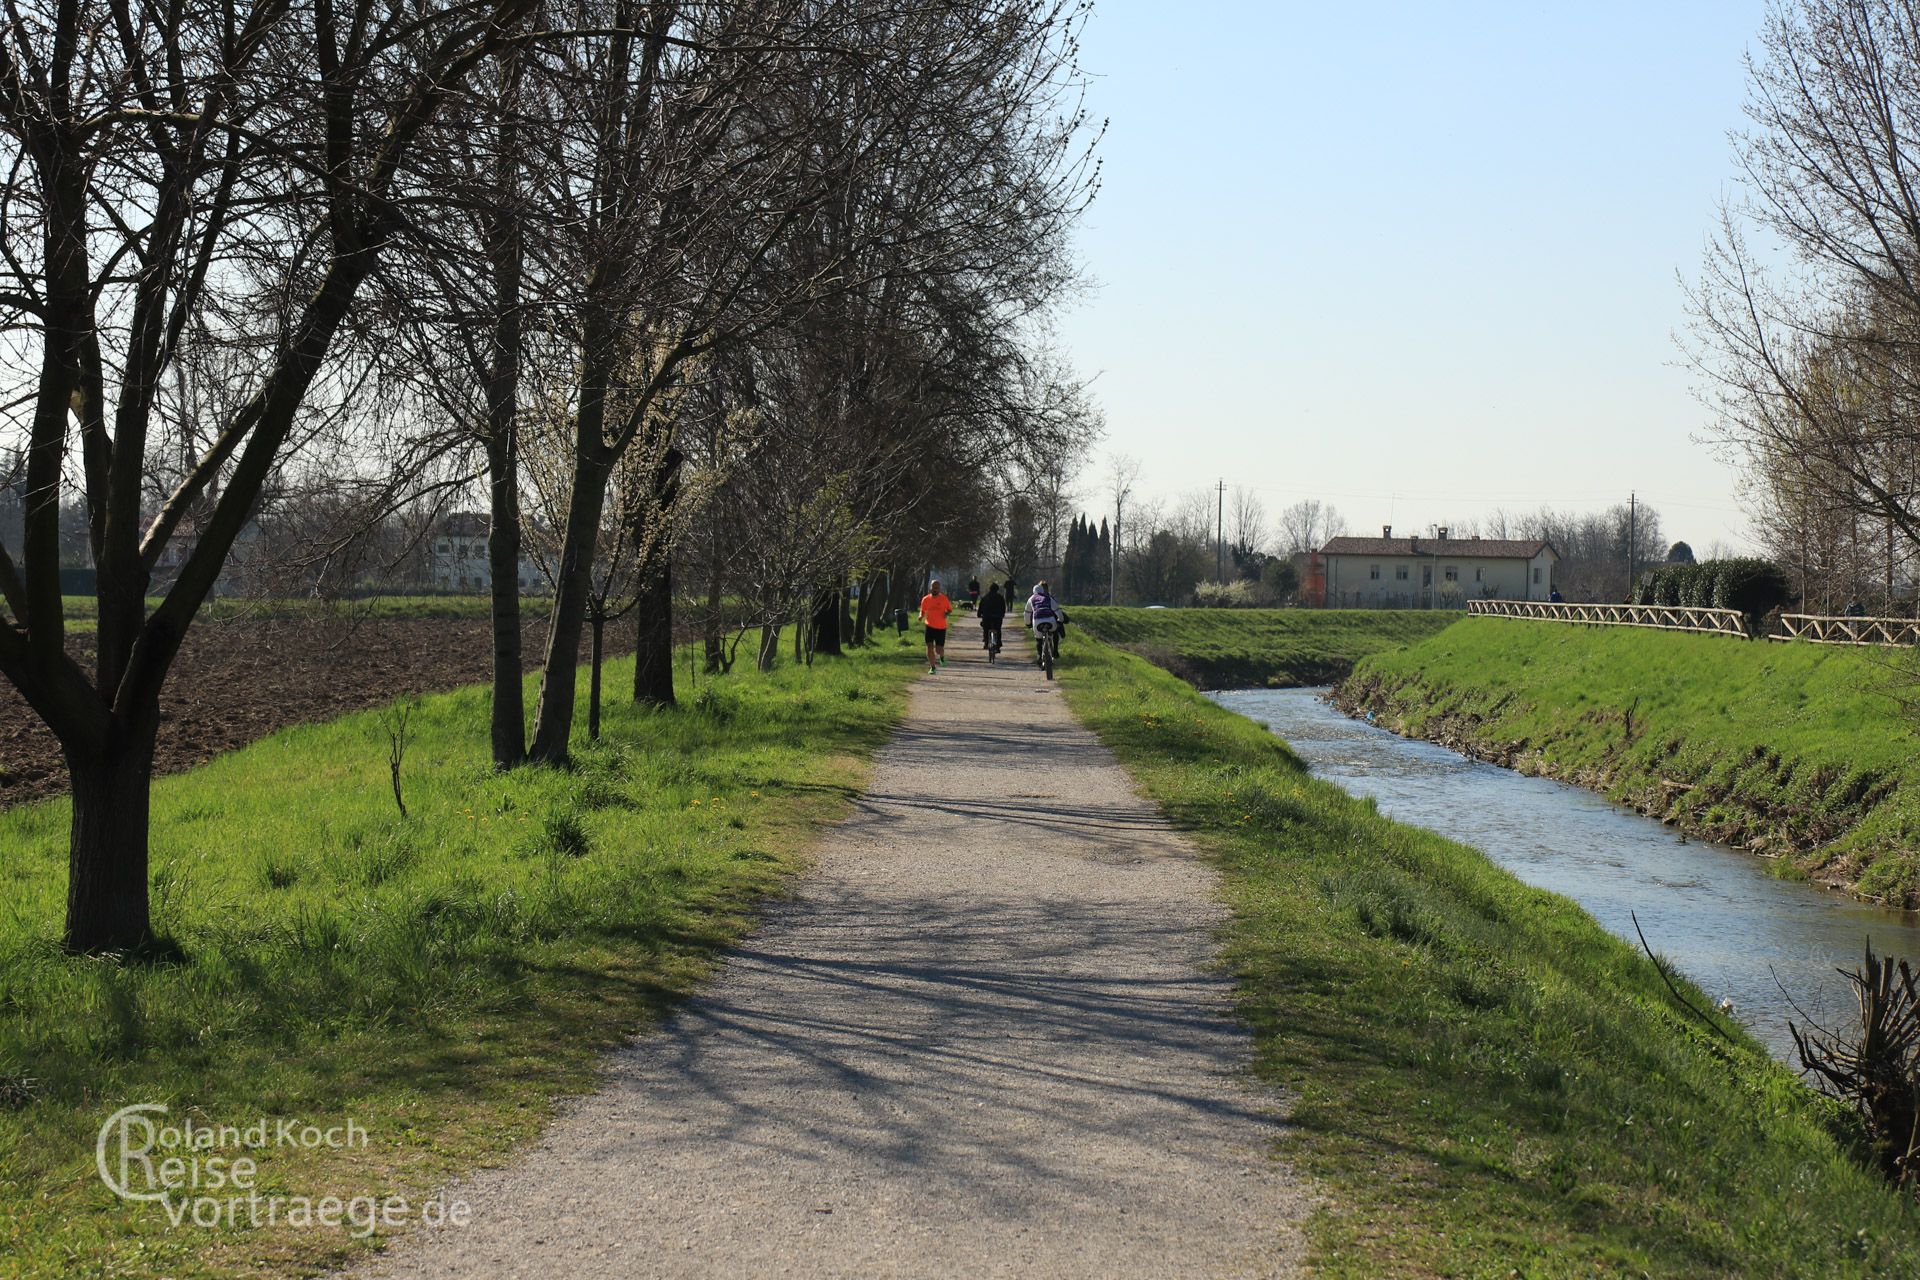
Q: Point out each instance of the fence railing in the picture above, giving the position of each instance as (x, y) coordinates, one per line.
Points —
(1822, 629)
(1665, 617)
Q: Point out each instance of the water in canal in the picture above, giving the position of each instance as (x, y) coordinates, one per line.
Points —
(1714, 912)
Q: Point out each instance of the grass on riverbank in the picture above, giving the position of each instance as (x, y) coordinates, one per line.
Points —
(1242, 648)
(1488, 1083)
(1794, 750)
(439, 979)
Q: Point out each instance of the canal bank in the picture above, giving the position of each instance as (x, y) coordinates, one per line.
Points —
(1770, 947)
(1797, 753)
(1486, 1080)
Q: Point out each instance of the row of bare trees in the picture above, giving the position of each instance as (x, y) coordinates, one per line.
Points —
(749, 285)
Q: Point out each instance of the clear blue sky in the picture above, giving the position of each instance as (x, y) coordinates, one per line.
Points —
(1416, 259)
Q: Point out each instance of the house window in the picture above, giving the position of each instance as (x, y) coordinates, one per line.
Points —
(1536, 577)
(1476, 575)
(1426, 575)
(1452, 574)
(1400, 572)
(1373, 571)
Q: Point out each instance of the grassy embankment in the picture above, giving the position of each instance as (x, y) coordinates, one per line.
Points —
(439, 979)
(1244, 648)
(1487, 1082)
(1795, 751)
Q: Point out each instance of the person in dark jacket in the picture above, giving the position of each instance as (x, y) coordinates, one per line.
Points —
(993, 610)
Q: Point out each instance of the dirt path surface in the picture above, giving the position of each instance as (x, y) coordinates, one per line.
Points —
(982, 1040)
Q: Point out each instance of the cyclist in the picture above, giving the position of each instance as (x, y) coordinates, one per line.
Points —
(993, 610)
(1045, 615)
(934, 608)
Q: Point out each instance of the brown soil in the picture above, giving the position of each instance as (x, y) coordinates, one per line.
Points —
(239, 681)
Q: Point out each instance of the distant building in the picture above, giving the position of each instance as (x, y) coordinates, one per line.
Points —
(177, 549)
(13, 514)
(1434, 573)
(456, 558)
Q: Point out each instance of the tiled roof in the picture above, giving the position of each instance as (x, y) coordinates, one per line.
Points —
(1460, 548)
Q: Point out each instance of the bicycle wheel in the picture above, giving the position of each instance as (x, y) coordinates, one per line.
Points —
(1046, 656)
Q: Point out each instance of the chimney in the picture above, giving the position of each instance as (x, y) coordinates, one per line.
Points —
(1386, 531)
(1441, 533)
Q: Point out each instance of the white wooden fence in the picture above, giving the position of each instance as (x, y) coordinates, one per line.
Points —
(1820, 629)
(1665, 617)
(1814, 628)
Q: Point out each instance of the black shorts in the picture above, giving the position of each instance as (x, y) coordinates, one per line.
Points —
(936, 635)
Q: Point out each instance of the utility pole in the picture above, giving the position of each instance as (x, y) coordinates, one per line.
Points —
(1220, 535)
(1633, 536)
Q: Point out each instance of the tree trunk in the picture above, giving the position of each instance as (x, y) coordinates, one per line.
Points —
(828, 617)
(715, 643)
(506, 247)
(769, 648)
(509, 717)
(107, 884)
(653, 645)
(863, 614)
(653, 641)
(599, 622)
(553, 718)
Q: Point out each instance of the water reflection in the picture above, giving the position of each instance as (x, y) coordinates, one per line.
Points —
(1714, 912)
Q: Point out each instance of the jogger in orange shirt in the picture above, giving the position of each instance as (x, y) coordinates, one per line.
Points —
(934, 608)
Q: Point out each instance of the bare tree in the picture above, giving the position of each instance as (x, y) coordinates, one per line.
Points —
(1807, 315)
(1246, 527)
(1306, 525)
(1123, 471)
(187, 187)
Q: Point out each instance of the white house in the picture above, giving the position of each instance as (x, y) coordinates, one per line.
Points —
(457, 557)
(1435, 573)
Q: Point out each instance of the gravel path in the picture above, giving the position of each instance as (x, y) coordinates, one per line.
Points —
(982, 1040)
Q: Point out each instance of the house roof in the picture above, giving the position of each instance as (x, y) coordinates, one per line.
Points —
(1459, 548)
(464, 524)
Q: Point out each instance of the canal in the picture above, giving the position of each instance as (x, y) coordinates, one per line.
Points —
(1713, 912)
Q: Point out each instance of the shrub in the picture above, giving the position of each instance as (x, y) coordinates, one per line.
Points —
(1226, 595)
(1755, 587)
(1697, 584)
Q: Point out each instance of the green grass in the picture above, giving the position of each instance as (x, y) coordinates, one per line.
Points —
(82, 611)
(439, 979)
(1793, 750)
(1241, 648)
(1485, 1082)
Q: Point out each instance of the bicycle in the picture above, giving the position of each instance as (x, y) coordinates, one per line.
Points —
(1046, 644)
(990, 638)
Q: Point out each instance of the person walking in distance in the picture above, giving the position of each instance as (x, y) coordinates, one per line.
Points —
(973, 592)
(993, 610)
(934, 608)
